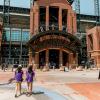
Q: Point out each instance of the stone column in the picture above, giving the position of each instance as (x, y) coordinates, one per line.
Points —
(36, 17)
(60, 19)
(31, 22)
(30, 56)
(61, 60)
(70, 60)
(69, 22)
(46, 67)
(76, 59)
(98, 61)
(74, 23)
(36, 60)
(47, 17)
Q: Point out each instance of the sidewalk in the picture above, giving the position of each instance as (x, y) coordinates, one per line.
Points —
(56, 85)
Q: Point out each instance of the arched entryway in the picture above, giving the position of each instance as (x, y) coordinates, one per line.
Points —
(54, 48)
(54, 59)
(65, 59)
(42, 59)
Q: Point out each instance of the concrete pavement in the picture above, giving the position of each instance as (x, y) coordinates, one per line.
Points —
(54, 84)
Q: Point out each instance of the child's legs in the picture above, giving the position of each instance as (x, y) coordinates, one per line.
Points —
(27, 86)
(16, 88)
(19, 87)
(30, 87)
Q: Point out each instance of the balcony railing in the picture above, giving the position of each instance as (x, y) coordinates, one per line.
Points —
(53, 26)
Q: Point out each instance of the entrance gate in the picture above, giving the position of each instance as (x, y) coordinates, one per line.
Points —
(53, 58)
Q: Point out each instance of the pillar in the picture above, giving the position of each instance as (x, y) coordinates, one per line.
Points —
(31, 22)
(30, 56)
(46, 67)
(36, 17)
(74, 23)
(60, 19)
(61, 60)
(69, 22)
(76, 59)
(70, 60)
(47, 17)
(36, 63)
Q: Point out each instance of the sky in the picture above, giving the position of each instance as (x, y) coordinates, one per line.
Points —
(86, 6)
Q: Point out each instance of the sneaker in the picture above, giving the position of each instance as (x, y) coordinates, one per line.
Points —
(15, 95)
(29, 95)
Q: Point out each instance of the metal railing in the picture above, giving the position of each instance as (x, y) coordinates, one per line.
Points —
(52, 26)
(15, 61)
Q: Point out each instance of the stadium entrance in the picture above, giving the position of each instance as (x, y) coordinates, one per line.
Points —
(52, 28)
(53, 49)
(53, 58)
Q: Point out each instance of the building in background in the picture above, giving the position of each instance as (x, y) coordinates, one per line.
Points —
(93, 45)
(15, 36)
(52, 29)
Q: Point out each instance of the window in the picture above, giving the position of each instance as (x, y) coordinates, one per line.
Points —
(15, 35)
(25, 36)
(6, 35)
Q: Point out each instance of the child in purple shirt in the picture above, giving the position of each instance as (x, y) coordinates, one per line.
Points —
(19, 79)
(30, 74)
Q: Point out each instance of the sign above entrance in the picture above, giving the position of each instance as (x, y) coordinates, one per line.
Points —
(50, 37)
(53, 39)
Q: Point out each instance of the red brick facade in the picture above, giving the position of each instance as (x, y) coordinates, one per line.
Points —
(93, 44)
(62, 4)
(34, 30)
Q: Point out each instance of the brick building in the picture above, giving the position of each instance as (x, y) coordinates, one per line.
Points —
(93, 45)
(52, 29)
(15, 35)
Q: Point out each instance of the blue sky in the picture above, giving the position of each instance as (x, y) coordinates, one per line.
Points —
(87, 6)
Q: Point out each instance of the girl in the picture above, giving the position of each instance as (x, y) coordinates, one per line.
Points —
(19, 79)
(29, 78)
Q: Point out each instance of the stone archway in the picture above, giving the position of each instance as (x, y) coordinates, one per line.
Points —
(55, 58)
(55, 40)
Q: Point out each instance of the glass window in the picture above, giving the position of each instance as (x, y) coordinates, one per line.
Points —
(6, 35)
(25, 36)
(15, 35)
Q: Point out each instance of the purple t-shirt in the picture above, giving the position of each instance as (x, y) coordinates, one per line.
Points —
(29, 76)
(19, 76)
